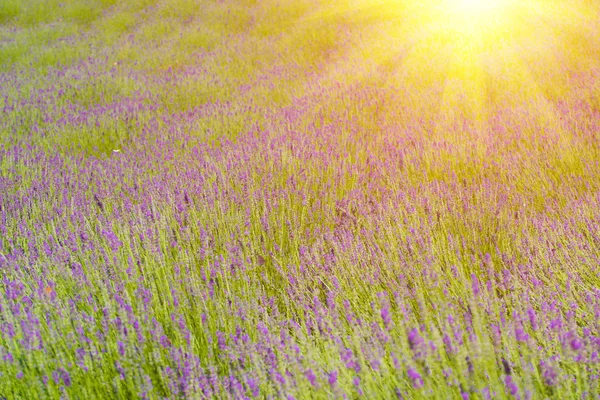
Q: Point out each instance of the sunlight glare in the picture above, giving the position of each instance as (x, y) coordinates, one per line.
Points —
(474, 7)
(476, 17)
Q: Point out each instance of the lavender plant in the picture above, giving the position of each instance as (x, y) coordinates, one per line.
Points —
(243, 199)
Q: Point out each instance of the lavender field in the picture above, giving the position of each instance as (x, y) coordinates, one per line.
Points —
(299, 199)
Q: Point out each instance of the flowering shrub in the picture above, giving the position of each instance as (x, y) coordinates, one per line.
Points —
(197, 203)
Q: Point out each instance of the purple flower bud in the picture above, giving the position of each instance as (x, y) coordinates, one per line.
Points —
(470, 366)
(254, 388)
(549, 374)
(486, 393)
(556, 324)
(280, 379)
(496, 334)
(574, 341)
(386, 317)
(356, 381)
(66, 378)
(448, 344)
(8, 358)
(310, 375)
(532, 318)
(221, 341)
(332, 378)
(414, 339)
(56, 377)
(165, 341)
(346, 356)
(475, 285)
(521, 335)
(506, 366)
(511, 386)
(399, 394)
(121, 347)
(415, 377)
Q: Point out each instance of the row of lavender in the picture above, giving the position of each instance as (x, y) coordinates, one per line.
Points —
(279, 265)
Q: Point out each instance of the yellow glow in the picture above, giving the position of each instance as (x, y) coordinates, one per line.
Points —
(468, 61)
(474, 7)
(483, 16)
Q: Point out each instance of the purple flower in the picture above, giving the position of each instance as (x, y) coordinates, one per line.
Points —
(398, 394)
(532, 318)
(121, 370)
(121, 347)
(556, 324)
(310, 375)
(347, 357)
(549, 374)
(262, 328)
(448, 343)
(165, 341)
(521, 335)
(66, 378)
(486, 393)
(470, 366)
(279, 378)
(496, 334)
(386, 317)
(506, 366)
(7, 358)
(332, 378)
(254, 388)
(415, 377)
(511, 386)
(56, 377)
(356, 381)
(414, 339)
(475, 285)
(574, 341)
(221, 341)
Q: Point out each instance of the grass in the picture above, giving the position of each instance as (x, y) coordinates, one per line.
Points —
(298, 199)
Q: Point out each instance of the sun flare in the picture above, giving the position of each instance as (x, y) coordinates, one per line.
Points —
(474, 7)
(478, 15)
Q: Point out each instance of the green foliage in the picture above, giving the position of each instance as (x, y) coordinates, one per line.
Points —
(9, 10)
